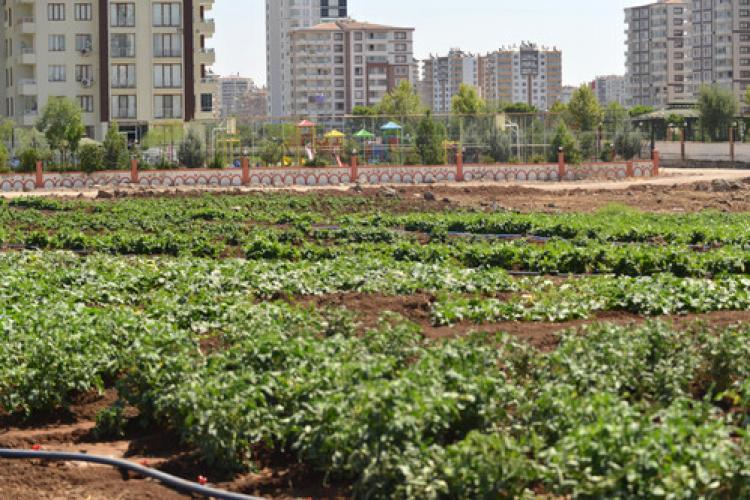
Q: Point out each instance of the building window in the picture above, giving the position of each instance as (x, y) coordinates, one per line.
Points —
(82, 11)
(57, 43)
(84, 44)
(207, 103)
(86, 102)
(166, 45)
(123, 106)
(167, 76)
(84, 73)
(56, 12)
(57, 73)
(167, 106)
(122, 14)
(123, 76)
(167, 14)
(123, 45)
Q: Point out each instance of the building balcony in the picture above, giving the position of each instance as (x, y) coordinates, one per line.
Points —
(28, 55)
(28, 87)
(206, 56)
(27, 26)
(205, 26)
(29, 118)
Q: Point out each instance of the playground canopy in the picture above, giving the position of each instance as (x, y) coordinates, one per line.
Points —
(305, 124)
(364, 134)
(391, 127)
(335, 134)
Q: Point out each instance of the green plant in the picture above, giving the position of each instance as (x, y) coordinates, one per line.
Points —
(115, 148)
(91, 157)
(190, 153)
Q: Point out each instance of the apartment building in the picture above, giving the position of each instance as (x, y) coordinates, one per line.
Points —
(610, 89)
(338, 65)
(239, 97)
(283, 17)
(139, 63)
(442, 77)
(658, 57)
(526, 73)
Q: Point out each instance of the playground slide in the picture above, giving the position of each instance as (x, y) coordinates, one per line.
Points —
(338, 160)
(310, 155)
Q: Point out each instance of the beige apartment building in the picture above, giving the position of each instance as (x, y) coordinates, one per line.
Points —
(442, 77)
(526, 73)
(140, 63)
(658, 57)
(339, 65)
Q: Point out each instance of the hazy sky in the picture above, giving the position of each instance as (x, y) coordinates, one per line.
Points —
(589, 32)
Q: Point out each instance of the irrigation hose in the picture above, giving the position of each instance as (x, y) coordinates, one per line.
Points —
(172, 482)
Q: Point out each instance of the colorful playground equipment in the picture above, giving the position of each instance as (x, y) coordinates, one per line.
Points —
(364, 137)
(333, 143)
(392, 136)
(306, 139)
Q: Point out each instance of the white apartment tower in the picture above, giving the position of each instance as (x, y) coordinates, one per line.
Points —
(442, 77)
(139, 63)
(283, 17)
(337, 66)
(658, 57)
(527, 73)
(610, 89)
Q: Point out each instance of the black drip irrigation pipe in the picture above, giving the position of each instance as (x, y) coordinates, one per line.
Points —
(170, 481)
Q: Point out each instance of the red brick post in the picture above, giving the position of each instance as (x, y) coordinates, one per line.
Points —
(656, 158)
(629, 170)
(561, 165)
(682, 145)
(245, 171)
(459, 165)
(134, 171)
(39, 180)
(354, 174)
(731, 143)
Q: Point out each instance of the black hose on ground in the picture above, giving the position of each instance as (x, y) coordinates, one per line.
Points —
(170, 481)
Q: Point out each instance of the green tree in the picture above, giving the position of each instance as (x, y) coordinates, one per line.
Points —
(640, 110)
(91, 156)
(62, 125)
(32, 147)
(190, 153)
(584, 112)
(271, 152)
(401, 101)
(628, 143)
(467, 101)
(565, 140)
(501, 146)
(717, 107)
(430, 138)
(364, 111)
(4, 159)
(615, 118)
(517, 108)
(115, 148)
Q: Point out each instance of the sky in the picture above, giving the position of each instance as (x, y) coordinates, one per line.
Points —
(589, 32)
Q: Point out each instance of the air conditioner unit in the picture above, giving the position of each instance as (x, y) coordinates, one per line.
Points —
(85, 51)
(86, 82)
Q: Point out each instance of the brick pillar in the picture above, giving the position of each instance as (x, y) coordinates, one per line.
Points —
(656, 158)
(245, 171)
(682, 146)
(134, 171)
(731, 143)
(561, 165)
(629, 170)
(460, 166)
(354, 169)
(39, 180)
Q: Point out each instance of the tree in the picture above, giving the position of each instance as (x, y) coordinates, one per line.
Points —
(271, 152)
(640, 110)
(364, 111)
(62, 125)
(190, 153)
(517, 108)
(430, 138)
(4, 159)
(501, 146)
(628, 143)
(115, 148)
(615, 117)
(91, 156)
(558, 108)
(584, 112)
(467, 101)
(565, 140)
(401, 101)
(32, 147)
(717, 107)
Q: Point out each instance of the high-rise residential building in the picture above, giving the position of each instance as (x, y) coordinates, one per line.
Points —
(610, 89)
(527, 73)
(567, 94)
(239, 97)
(283, 17)
(137, 63)
(658, 54)
(442, 77)
(337, 66)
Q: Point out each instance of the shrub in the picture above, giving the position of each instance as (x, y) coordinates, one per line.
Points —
(115, 148)
(191, 152)
(91, 157)
(628, 143)
(587, 144)
(565, 140)
(271, 152)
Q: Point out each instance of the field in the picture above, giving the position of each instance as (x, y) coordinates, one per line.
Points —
(472, 342)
